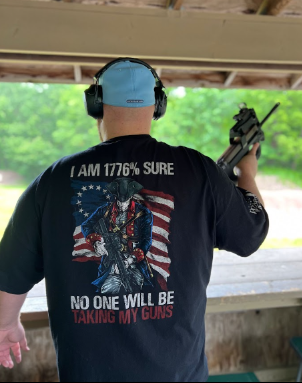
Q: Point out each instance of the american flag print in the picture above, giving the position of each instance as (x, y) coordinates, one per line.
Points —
(88, 197)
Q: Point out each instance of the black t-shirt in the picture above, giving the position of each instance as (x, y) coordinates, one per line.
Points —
(124, 234)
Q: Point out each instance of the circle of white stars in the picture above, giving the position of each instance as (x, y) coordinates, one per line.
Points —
(85, 189)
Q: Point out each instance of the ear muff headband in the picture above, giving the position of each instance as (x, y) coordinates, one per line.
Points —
(93, 97)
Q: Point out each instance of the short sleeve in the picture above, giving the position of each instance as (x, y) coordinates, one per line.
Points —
(242, 223)
(21, 257)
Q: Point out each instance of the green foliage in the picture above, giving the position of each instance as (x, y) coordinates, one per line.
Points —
(202, 120)
(284, 175)
(41, 123)
(8, 200)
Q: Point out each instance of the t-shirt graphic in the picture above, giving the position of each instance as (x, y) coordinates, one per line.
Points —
(124, 229)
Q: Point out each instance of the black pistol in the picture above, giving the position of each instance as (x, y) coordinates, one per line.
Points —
(113, 246)
(247, 132)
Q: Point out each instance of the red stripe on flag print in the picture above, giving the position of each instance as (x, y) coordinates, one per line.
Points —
(161, 205)
(85, 259)
(161, 223)
(154, 250)
(160, 238)
(158, 208)
(147, 193)
(78, 236)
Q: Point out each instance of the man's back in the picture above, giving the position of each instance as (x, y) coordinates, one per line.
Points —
(124, 235)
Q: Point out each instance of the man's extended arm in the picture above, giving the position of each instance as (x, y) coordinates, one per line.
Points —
(12, 335)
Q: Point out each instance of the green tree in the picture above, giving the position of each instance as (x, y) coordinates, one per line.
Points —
(41, 123)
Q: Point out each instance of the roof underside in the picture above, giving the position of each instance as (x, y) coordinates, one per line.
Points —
(22, 66)
(285, 8)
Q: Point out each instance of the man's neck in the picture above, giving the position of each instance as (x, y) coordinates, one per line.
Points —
(109, 132)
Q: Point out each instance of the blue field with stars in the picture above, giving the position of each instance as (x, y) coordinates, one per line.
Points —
(88, 197)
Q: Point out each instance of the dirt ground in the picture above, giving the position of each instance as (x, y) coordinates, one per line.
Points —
(283, 203)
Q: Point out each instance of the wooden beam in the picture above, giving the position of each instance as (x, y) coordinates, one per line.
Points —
(296, 80)
(272, 7)
(230, 78)
(51, 28)
(201, 65)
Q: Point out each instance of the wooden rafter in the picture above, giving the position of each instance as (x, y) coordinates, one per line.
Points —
(230, 78)
(175, 4)
(272, 7)
(159, 71)
(296, 81)
(78, 74)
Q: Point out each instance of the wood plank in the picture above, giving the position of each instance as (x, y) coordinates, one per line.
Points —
(40, 27)
(252, 291)
(267, 272)
(35, 305)
(286, 374)
(34, 317)
(262, 256)
(252, 340)
(278, 375)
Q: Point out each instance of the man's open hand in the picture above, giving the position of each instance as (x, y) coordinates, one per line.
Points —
(12, 339)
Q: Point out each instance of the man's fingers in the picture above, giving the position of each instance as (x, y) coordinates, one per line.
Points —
(17, 352)
(7, 362)
(254, 149)
(24, 345)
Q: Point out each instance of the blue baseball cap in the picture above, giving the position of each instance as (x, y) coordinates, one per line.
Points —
(129, 85)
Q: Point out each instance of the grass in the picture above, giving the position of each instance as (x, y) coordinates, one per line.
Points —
(283, 243)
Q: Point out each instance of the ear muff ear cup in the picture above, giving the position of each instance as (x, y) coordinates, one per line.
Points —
(161, 101)
(93, 101)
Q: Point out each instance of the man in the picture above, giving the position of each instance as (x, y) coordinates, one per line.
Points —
(72, 216)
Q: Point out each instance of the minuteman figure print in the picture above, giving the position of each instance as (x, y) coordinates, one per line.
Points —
(121, 235)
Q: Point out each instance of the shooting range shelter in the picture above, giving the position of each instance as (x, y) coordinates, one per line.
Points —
(254, 305)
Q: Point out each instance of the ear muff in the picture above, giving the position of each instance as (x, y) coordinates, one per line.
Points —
(161, 101)
(93, 101)
(93, 97)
